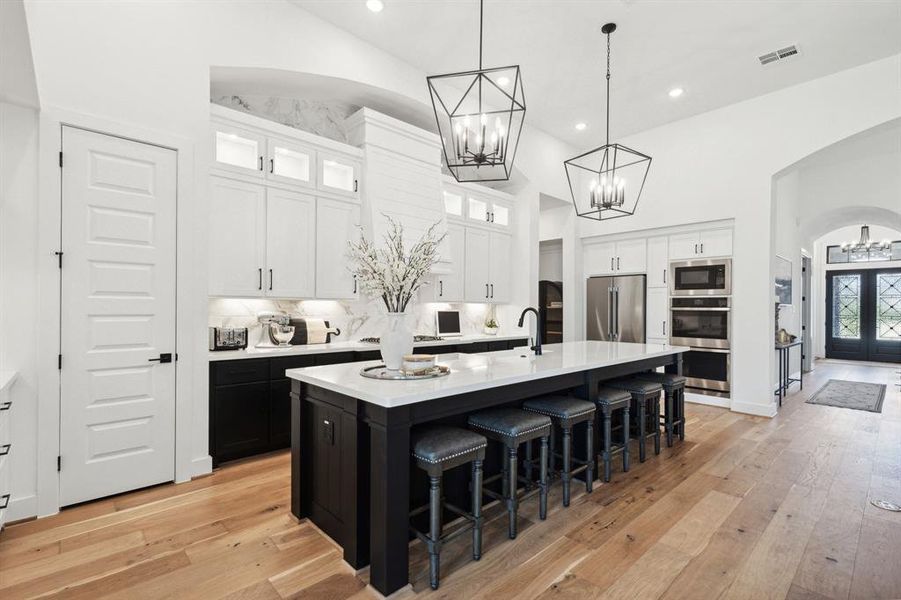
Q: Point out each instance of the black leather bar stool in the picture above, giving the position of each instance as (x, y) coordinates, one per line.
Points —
(645, 401)
(674, 406)
(437, 449)
(513, 427)
(565, 413)
(610, 400)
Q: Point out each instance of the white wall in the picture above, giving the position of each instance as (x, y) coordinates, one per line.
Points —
(820, 268)
(146, 65)
(720, 165)
(19, 316)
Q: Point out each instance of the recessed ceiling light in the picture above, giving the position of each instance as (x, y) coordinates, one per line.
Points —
(375, 5)
(676, 92)
(581, 126)
(503, 81)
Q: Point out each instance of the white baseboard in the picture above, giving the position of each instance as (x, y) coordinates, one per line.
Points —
(753, 408)
(202, 466)
(23, 507)
(708, 400)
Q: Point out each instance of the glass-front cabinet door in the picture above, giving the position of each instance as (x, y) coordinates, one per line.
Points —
(453, 204)
(477, 209)
(290, 162)
(238, 150)
(500, 215)
(339, 174)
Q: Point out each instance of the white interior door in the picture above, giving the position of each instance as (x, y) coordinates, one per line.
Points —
(117, 399)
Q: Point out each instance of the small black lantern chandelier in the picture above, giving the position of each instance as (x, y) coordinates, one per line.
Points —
(606, 182)
(480, 115)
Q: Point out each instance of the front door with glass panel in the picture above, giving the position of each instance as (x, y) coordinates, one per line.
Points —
(863, 315)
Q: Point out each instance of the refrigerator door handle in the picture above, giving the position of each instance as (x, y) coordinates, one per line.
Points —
(610, 313)
(616, 314)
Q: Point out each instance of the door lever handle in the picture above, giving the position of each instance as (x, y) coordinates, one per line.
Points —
(165, 357)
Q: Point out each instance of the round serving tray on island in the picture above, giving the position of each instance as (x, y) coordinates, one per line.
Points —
(382, 372)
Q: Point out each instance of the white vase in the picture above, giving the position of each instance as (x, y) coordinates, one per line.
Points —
(396, 340)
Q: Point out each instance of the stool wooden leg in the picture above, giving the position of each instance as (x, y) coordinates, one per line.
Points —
(589, 453)
(567, 464)
(505, 473)
(552, 460)
(512, 501)
(642, 423)
(434, 529)
(668, 418)
(528, 468)
(656, 412)
(608, 433)
(476, 509)
(542, 493)
(625, 439)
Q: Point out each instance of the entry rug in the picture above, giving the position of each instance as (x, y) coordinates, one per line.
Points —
(857, 395)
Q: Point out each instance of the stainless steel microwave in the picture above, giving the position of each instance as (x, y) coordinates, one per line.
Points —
(705, 277)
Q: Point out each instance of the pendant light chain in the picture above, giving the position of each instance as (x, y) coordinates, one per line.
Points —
(608, 89)
(481, 21)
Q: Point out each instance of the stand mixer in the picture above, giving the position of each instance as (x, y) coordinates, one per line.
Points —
(275, 331)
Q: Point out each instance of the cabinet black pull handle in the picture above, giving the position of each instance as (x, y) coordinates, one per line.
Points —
(165, 357)
(487, 217)
(355, 284)
(356, 185)
(5, 500)
(270, 279)
(611, 263)
(4, 449)
(617, 263)
(664, 275)
(6, 405)
(696, 248)
(272, 165)
(492, 290)
(702, 247)
(486, 290)
(260, 282)
(440, 288)
(664, 327)
(261, 163)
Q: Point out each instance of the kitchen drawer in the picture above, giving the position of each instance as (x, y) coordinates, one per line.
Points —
(443, 349)
(241, 371)
(476, 347)
(240, 420)
(334, 358)
(495, 346)
(278, 366)
(367, 355)
(517, 343)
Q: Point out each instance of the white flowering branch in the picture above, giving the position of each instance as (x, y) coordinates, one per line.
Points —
(389, 272)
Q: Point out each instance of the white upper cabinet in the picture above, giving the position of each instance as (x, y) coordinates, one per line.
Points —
(291, 162)
(611, 258)
(658, 261)
(716, 242)
(631, 256)
(599, 259)
(483, 210)
(238, 150)
(290, 244)
(700, 244)
(500, 255)
(477, 287)
(237, 238)
(339, 174)
(337, 223)
(448, 287)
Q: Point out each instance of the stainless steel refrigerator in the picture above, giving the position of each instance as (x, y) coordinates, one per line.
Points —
(616, 309)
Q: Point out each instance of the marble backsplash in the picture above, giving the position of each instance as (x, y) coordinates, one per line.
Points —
(355, 319)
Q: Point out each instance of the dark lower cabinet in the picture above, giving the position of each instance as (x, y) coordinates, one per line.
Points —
(250, 400)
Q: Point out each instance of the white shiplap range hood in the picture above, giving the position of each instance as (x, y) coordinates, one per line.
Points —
(402, 178)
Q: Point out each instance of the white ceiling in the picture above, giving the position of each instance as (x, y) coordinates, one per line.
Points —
(707, 47)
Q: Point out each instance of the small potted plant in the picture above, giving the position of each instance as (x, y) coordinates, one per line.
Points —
(491, 326)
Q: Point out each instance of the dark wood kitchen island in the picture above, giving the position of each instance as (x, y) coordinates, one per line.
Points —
(350, 435)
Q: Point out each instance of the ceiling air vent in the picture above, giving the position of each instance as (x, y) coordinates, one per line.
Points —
(780, 54)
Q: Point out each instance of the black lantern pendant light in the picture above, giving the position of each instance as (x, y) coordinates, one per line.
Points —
(606, 182)
(480, 115)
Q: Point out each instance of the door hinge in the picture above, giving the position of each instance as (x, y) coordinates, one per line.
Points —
(59, 464)
(59, 361)
(59, 257)
(60, 159)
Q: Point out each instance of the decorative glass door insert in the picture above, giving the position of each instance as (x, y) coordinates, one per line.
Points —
(846, 306)
(888, 306)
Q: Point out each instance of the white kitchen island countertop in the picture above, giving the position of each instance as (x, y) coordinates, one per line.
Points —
(474, 372)
(349, 346)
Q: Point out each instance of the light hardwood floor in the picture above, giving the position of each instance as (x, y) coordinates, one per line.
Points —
(745, 508)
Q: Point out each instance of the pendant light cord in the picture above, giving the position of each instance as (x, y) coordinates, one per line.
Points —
(608, 89)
